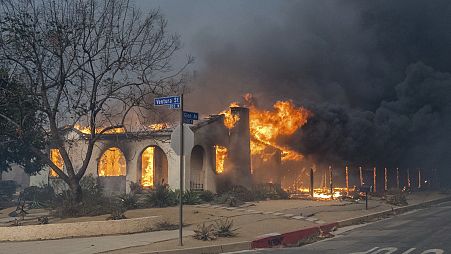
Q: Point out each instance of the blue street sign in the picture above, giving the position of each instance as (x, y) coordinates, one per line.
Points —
(174, 106)
(188, 121)
(190, 115)
(166, 100)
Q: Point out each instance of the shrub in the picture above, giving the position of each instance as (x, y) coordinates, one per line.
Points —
(161, 196)
(40, 195)
(206, 196)
(129, 201)
(224, 228)
(190, 197)
(117, 211)
(242, 193)
(136, 188)
(397, 199)
(43, 220)
(93, 202)
(204, 233)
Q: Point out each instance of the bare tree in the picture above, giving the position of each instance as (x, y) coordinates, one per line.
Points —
(86, 61)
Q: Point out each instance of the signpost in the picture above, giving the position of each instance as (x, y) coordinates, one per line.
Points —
(176, 102)
(366, 189)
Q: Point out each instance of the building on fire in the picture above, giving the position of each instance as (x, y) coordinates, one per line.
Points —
(217, 151)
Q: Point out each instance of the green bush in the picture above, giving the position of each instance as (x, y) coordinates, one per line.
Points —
(224, 228)
(93, 201)
(206, 196)
(136, 188)
(204, 233)
(161, 196)
(39, 197)
(190, 197)
(129, 201)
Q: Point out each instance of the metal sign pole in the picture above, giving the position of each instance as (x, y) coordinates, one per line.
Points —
(181, 173)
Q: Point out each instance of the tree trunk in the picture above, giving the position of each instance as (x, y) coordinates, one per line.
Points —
(75, 189)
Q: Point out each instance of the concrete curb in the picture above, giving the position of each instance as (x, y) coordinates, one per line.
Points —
(215, 249)
(78, 229)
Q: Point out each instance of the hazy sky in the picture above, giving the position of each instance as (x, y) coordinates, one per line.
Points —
(376, 74)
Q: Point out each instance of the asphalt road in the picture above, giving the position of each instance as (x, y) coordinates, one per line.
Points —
(419, 232)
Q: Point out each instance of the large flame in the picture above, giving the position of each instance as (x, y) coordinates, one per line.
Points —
(221, 155)
(267, 126)
(55, 157)
(112, 163)
(87, 129)
(147, 175)
(230, 119)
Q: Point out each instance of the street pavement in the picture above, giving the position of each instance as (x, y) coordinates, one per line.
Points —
(418, 232)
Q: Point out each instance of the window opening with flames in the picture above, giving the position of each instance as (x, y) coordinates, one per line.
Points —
(112, 163)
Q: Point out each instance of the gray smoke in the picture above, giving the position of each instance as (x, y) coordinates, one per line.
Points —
(374, 73)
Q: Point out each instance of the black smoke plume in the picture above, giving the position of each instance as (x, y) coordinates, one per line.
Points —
(374, 73)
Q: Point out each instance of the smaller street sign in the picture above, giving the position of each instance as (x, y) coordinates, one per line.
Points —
(188, 121)
(190, 115)
(170, 100)
(174, 106)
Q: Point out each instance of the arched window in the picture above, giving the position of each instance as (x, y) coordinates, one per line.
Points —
(112, 163)
(55, 157)
(154, 167)
(197, 168)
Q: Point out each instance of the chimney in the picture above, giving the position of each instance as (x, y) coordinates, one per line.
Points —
(239, 148)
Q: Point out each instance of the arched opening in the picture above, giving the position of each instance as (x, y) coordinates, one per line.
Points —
(112, 163)
(154, 167)
(197, 172)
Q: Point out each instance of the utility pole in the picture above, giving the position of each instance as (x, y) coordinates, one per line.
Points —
(181, 173)
(331, 183)
(311, 182)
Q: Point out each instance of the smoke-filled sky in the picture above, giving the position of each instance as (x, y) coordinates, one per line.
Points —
(374, 73)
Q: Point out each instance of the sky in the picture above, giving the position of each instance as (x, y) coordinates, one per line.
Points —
(375, 74)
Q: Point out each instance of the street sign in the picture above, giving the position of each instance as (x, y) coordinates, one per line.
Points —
(170, 100)
(366, 188)
(190, 115)
(174, 106)
(188, 121)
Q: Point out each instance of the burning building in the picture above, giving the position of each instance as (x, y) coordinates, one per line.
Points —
(217, 149)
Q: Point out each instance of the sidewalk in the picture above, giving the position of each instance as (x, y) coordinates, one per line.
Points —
(275, 216)
(89, 245)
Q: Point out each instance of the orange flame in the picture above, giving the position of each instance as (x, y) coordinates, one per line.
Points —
(87, 129)
(147, 167)
(267, 126)
(221, 155)
(229, 119)
(112, 163)
(55, 157)
(158, 126)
